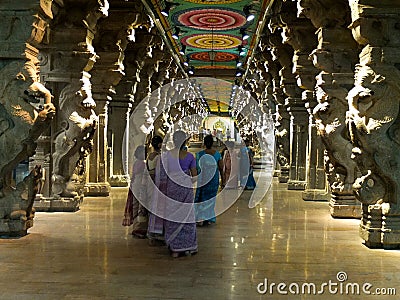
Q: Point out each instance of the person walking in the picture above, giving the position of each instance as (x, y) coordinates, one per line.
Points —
(155, 231)
(175, 198)
(135, 213)
(230, 166)
(209, 167)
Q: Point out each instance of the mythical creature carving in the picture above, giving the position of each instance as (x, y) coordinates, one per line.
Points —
(330, 121)
(323, 13)
(374, 129)
(21, 121)
(16, 204)
(74, 141)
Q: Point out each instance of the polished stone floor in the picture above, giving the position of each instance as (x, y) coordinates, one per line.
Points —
(284, 240)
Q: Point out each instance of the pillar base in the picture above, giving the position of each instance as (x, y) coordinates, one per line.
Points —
(380, 226)
(284, 175)
(60, 204)
(296, 185)
(119, 180)
(99, 189)
(316, 195)
(283, 179)
(15, 228)
(344, 205)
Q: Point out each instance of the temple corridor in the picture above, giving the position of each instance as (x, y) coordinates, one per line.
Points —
(308, 89)
(89, 255)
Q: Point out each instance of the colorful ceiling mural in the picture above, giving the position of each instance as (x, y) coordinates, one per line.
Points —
(217, 92)
(211, 34)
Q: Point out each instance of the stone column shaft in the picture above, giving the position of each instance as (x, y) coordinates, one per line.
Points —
(373, 118)
(26, 108)
(119, 131)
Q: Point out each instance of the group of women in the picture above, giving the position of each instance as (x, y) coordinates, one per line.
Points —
(161, 203)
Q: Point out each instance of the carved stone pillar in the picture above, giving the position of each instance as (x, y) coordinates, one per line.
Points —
(282, 126)
(121, 105)
(317, 186)
(97, 171)
(112, 37)
(295, 106)
(119, 112)
(300, 34)
(26, 108)
(373, 120)
(272, 58)
(335, 56)
(67, 65)
(298, 145)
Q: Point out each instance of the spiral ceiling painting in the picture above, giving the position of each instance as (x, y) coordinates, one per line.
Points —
(211, 19)
(211, 37)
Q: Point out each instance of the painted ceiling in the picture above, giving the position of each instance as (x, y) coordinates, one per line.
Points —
(212, 37)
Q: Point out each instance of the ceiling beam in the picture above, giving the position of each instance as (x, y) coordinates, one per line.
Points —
(258, 33)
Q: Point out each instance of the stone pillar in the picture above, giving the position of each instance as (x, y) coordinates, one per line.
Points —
(135, 55)
(300, 34)
(67, 65)
(26, 108)
(112, 37)
(294, 104)
(282, 127)
(119, 112)
(373, 120)
(97, 171)
(335, 56)
(317, 185)
(273, 54)
(298, 145)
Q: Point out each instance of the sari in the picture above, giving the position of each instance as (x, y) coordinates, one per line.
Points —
(155, 230)
(246, 169)
(135, 213)
(231, 169)
(172, 205)
(207, 185)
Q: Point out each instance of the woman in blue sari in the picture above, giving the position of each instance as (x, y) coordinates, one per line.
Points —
(247, 181)
(209, 166)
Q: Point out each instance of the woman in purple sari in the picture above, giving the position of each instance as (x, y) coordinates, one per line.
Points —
(173, 205)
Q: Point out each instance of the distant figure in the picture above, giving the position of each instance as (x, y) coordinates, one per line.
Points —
(247, 181)
(203, 133)
(174, 202)
(135, 212)
(209, 166)
(230, 166)
(228, 134)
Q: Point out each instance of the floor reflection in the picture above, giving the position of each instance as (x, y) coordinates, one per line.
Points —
(90, 255)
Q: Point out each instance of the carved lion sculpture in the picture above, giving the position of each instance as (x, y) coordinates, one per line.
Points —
(374, 129)
(73, 142)
(21, 121)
